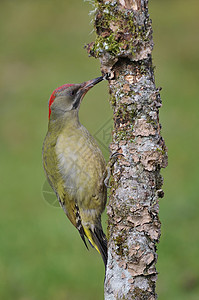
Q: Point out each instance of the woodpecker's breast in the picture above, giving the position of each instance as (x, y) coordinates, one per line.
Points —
(80, 163)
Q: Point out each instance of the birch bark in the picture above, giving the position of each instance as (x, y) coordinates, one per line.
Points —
(124, 44)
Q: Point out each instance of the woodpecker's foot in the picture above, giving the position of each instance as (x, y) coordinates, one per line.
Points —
(114, 157)
(112, 161)
(106, 180)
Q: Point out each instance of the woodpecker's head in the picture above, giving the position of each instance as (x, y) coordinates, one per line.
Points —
(68, 97)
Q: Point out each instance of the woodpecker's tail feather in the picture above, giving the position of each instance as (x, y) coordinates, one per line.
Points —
(82, 234)
(79, 225)
(95, 236)
(98, 240)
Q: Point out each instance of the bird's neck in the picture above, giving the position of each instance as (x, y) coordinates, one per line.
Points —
(69, 120)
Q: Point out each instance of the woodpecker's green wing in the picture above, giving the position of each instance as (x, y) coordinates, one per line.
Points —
(56, 181)
(75, 169)
(50, 164)
(83, 168)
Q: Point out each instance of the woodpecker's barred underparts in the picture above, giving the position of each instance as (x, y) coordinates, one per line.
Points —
(74, 164)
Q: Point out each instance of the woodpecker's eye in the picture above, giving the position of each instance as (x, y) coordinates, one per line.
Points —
(72, 93)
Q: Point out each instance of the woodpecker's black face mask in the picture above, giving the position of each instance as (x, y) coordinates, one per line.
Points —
(68, 97)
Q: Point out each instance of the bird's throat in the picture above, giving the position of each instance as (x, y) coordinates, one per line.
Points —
(68, 121)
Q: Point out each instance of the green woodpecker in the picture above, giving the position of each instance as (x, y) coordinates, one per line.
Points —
(74, 164)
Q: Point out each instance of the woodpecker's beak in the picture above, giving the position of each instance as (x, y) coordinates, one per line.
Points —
(86, 86)
(89, 84)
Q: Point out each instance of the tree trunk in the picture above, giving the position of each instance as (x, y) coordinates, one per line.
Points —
(124, 45)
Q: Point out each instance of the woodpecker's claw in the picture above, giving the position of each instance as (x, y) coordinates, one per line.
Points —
(114, 156)
(112, 161)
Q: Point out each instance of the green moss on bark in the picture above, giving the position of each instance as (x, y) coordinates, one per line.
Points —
(118, 31)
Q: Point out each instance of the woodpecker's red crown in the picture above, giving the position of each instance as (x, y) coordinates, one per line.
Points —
(74, 95)
(54, 94)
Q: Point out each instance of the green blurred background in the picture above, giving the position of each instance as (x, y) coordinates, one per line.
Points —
(41, 47)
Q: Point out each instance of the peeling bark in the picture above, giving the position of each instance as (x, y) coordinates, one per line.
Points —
(124, 45)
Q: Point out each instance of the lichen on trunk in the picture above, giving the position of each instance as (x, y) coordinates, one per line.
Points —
(124, 45)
